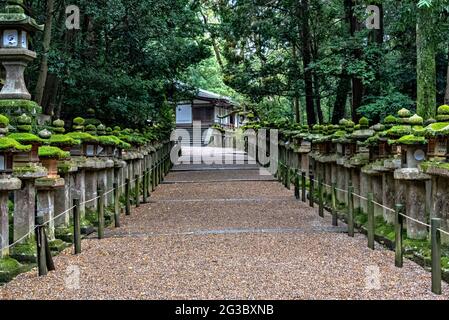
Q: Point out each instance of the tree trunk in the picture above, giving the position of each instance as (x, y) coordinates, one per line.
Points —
(426, 64)
(296, 101)
(376, 39)
(357, 84)
(446, 95)
(344, 86)
(307, 59)
(42, 79)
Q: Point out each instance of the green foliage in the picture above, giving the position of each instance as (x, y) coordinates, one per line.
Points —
(412, 139)
(26, 138)
(82, 136)
(4, 121)
(7, 143)
(53, 153)
(61, 140)
(113, 141)
(386, 105)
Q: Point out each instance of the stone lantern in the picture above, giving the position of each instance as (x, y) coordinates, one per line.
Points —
(413, 146)
(8, 183)
(15, 27)
(438, 136)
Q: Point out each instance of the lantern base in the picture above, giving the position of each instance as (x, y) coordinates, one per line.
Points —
(15, 62)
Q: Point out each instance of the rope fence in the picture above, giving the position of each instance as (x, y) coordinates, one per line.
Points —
(150, 177)
(400, 216)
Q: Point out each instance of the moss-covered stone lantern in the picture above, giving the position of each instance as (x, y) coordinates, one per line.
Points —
(25, 136)
(15, 27)
(87, 147)
(438, 136)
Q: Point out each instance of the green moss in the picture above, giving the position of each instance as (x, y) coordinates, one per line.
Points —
(404, 113)
(11, 106)
(25, 138)
(79, 121)
(24, 128)
(400, 130)
(60, 140)
(4, 121)
(9, 268)
(442, 117)
(82, 136)
(25, 252)
(390, 120)
(7, 143)
(384, 229)
(50, 152)
(24, 119)
(416, 120)
(113, 141)
(443, 110)
(412, 139)
(434, 164)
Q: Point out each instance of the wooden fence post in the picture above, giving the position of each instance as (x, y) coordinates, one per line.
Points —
(44, 258)
(116, 205)
(370, 225)
(76, 226)
(137, 191)
(41, 256)
(303, 186)
(311, 190)
(127, 199)
(287, 177)
(296, 184)
(334, 204)
(351, 210)
(100, 212)
(398, 227)
(144, 187)
(320, 198)
(436, 255)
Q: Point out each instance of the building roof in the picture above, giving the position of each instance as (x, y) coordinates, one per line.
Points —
(201, 94)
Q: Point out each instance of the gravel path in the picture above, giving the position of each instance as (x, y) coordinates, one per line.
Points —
(227, 240)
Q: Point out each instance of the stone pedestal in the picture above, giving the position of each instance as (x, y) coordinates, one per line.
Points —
(378, 194)
(80, 191)
(6, 185)
(355, 178)
(63, 201)
(24, 209)
(91, 181)
(365, 188)
(46, 201)
(415, 200)
(341, 183)
(388, 196)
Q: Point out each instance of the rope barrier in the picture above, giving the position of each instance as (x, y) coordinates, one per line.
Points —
(341, 190)
(415, 220)
(443, 231)
(385, 207)
(358, 196)
(87, 201)
(56, 217)
(20, 240)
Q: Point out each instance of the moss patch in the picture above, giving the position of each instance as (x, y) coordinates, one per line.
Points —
(13, 106)
(411, 139)
(9, 268)
(61, 140)
(82, 136)
(50, 152)
(25, 138)
(7, 143)
(113, 141)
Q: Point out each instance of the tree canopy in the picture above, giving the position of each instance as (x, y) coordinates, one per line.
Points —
(312, 61)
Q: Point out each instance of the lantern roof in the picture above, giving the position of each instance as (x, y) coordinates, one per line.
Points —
(13, 15)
